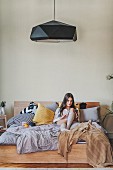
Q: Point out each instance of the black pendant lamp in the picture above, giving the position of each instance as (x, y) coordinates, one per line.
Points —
(53, 31)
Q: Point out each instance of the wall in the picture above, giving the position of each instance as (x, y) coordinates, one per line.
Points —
(46, 71)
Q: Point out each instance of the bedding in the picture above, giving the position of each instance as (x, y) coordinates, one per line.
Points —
(95, 124)
(37, 138)
(99, 150)
(32, 139)
(9, 138)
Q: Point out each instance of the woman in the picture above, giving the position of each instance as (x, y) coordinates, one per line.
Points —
(65, 114)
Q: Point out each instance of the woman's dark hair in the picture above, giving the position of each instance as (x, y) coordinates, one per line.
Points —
(63, 105)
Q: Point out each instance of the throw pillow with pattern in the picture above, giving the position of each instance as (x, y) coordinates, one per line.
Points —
(30, 109)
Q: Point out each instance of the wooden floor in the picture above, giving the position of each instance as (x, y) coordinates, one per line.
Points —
(63, 165)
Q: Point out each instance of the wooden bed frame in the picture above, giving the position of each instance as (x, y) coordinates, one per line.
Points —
(8, 153)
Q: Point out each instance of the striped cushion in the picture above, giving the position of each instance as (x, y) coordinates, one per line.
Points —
(30, 109)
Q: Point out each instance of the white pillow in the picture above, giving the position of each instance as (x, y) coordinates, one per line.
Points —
(89, 114)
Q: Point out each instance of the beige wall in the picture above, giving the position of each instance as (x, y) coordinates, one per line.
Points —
(46, 71)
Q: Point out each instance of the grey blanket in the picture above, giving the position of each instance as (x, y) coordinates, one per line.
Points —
(37, 138)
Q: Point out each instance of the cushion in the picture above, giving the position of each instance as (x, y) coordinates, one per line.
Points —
(30, 109)
(59, 104)
(43, 115)
(53, 106)
(89, 114)
(77, 105)
(83, 105)
(18, 119)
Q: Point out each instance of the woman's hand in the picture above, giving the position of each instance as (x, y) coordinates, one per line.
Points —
(64, 116)
(76, 115)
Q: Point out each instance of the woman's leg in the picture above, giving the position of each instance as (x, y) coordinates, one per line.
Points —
(62, 123)
(70, 118)
(63, 126)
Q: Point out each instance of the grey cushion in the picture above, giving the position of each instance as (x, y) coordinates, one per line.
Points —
(89, 114)
(52, 106)
(18, 119)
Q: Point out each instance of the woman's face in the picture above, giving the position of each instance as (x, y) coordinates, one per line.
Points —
(69, 102)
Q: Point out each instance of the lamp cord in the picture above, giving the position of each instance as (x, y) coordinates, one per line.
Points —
(54, 9)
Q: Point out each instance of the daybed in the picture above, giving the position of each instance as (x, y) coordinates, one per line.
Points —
(8, 154)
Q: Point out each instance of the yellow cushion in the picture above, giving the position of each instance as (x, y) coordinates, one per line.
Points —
(43, 115)
(59, 104)
(77, 105)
